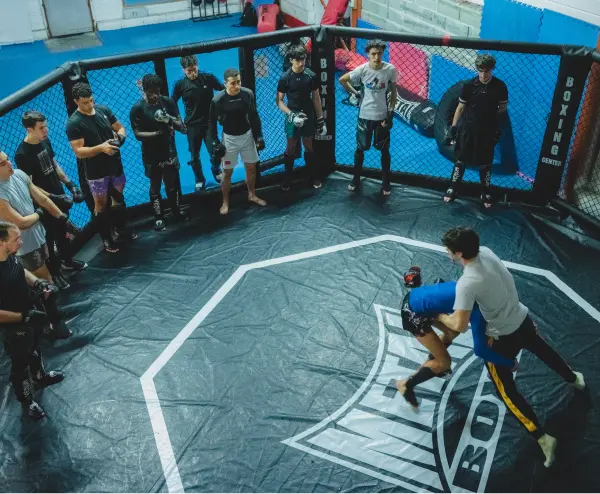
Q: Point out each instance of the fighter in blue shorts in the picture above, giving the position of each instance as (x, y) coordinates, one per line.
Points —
(420, 307)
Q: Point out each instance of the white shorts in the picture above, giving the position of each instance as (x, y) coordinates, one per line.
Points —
(236, 145)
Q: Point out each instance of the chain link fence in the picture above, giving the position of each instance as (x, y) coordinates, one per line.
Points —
(52, 104)
(430, 79)
(581, 184)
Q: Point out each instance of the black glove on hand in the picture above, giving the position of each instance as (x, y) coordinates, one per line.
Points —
(75, 192)
(40, 213)
(121, 138)
(451, 136)
(42, 285)
(68, 225)
(63, 201)
(218, 149)
(34, 317)
(260, 143)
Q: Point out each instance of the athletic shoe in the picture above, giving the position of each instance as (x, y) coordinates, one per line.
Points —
(52, 377)
(159, 225)
(60, 282)
(579, 382)
(33, 410)
(73, 265)
(59, 330)
(548, 445)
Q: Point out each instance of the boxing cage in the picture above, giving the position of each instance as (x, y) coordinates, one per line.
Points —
(548, 155)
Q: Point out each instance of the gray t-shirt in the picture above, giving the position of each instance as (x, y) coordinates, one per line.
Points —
(487, 281)
(15, 191)
(376, 84)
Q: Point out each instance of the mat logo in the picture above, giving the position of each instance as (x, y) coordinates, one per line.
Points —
(377, 433)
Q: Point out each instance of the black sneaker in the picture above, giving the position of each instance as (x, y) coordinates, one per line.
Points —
(59, 331)
(60, 282)
(110, 246)
(52, 377)
(33, 410)
(73, 265)
(159, 225)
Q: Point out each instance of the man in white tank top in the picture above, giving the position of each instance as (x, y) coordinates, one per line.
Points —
(488, 282)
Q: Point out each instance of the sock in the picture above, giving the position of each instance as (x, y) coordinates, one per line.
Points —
(422, 375)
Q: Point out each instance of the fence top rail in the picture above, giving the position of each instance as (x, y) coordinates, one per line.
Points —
(470, 43)
(251, 40)
(34, 88)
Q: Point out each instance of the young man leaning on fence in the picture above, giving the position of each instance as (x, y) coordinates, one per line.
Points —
(35, 156)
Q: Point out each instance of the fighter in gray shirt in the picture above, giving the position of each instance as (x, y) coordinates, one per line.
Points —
(487, 282)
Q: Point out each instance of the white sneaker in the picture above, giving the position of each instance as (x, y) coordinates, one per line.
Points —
(548, 445)
(579, 382)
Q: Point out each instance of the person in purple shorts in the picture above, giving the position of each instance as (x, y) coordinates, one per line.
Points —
(96, 136)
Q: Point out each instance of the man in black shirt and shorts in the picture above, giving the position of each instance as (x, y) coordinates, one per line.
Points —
(96, 136)
(197, 90)
(154, 120)
(304, 114)
(35, 156)
(22, 295)
(235, 109)
(477, 126)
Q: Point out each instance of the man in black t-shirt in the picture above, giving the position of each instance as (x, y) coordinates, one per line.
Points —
(154, 120)
(36, 158)
(477, 126)
(197, 90)
(304, 114)
(22, 322)
(96, 136)
(235, 109)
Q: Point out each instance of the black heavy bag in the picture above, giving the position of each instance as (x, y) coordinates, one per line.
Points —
(444, 117)
(415, 111)
(249, 16)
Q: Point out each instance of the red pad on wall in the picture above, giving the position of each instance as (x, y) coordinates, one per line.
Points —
(334, 12)
(412, 67)
(267, 18)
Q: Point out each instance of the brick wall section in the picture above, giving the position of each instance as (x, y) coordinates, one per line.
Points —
(430, 17)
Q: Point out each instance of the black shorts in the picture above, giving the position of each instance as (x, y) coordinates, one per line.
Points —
(416, 324)
(474, 147)
(371, 130)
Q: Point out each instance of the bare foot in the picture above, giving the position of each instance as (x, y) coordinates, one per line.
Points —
(387, 192)
(257, 200)
(408, 394)
(224, 209)
(447, 199)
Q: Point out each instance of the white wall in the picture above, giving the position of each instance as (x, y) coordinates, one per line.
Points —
(585, 10)
(306, 11)
(430, 17)
(24, 21)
